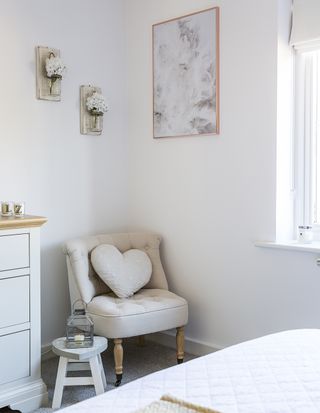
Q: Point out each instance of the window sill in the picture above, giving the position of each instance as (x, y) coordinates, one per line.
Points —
(290, 246)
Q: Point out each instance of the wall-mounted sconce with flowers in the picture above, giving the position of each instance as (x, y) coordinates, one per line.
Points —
(96, 106)
(92, 108)
(55, 69)
(50, 70)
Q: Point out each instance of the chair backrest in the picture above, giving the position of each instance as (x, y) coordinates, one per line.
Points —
(84, 283)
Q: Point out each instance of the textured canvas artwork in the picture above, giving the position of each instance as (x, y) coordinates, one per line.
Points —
(185, 75)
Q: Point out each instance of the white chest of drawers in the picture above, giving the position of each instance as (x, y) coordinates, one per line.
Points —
(21, 386)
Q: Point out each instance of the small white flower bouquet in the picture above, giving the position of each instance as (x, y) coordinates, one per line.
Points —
(96, 104)
(55, 67)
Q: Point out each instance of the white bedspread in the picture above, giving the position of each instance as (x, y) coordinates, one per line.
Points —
(279, 373)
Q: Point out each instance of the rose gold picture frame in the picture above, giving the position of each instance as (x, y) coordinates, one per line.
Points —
(186, 75)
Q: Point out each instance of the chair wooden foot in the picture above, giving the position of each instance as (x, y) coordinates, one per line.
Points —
(118, 360)
(180, 344)
(118, 380)
(141, 341)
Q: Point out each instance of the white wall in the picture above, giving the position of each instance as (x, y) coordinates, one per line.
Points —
(78, 182)
(211, 197)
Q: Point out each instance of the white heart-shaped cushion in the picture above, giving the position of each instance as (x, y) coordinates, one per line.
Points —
(124, 273)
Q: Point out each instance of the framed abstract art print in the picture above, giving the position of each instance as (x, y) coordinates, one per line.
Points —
(186, 75)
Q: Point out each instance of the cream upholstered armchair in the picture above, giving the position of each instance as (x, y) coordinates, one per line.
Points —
(150, 310)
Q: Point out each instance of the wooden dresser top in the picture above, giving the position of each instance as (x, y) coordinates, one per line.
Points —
(22, 222)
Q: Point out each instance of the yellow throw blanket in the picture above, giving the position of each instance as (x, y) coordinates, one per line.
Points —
(169, 404)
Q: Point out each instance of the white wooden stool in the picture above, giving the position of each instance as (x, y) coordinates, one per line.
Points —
(79, 359)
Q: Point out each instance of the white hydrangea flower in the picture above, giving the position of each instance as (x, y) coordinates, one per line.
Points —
(55, 66)
(96, 102)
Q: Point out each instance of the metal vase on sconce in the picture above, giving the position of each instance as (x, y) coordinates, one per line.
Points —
(96, 120)
(55, 85)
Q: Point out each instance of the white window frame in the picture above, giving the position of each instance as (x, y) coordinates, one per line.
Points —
(306, 109)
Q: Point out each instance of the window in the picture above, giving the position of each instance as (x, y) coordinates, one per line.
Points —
(307, 136)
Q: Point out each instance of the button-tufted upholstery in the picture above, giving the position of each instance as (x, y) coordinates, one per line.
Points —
(147, 311)
(151, 309)
(88, 283)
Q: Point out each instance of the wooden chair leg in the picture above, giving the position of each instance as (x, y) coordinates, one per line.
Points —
(141, 341)
(180, 344)
(118, 360)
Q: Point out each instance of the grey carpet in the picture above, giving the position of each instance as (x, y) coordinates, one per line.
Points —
(138, 361)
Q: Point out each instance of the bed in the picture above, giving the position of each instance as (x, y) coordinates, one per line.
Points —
(278, 373)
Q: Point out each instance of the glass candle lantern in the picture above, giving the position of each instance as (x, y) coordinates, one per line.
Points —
(79, 327)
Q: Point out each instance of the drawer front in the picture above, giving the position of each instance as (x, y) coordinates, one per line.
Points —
(14, 251)
(14, 301)
(14, 356)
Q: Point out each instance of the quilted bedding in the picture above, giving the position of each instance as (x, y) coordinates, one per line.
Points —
(278, 373)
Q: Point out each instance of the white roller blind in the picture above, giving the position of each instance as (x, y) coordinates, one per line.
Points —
(305, 23)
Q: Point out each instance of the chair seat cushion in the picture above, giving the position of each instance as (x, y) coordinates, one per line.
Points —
(147, 311)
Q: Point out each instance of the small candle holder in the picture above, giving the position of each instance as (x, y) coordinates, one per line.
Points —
(19, 209)
(305, 235)
(6, 208)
